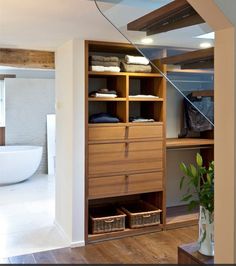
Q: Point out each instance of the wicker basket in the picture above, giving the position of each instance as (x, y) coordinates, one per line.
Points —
(141, 214)
(106, 221)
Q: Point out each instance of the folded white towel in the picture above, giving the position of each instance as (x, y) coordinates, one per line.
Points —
(143, 96)
(136, 60)
(105, 69)
(104, 95)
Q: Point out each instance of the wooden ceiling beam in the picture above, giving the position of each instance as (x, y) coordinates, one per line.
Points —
(194, 56)
(175, 15)
(27, 58)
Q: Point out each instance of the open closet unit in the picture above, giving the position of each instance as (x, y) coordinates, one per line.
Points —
(126, 161)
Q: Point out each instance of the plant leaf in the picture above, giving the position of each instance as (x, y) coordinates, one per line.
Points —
(183, 168)
(199, 160)
(187, 198)
(193, 170)
(181, 182)
(209, 178)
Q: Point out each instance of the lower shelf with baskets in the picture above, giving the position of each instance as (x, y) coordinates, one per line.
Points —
(123, 220)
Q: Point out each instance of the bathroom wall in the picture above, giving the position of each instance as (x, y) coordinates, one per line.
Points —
(28, 101)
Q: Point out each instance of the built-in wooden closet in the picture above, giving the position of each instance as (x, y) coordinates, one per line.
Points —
(126, 161)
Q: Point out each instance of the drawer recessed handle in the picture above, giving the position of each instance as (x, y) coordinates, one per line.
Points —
(109, 221)
(147, 216)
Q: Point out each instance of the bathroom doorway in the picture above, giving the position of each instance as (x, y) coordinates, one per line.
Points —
(27, 188)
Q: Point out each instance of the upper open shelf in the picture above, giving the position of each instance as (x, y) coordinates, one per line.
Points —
(192, 60)
(175, 15)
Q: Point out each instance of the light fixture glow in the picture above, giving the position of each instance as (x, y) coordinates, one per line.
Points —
(210, 35)
(205, 45)
(147, 40)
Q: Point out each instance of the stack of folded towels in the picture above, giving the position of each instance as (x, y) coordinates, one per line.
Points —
(103, 93)
(104, 63)
(136, 64)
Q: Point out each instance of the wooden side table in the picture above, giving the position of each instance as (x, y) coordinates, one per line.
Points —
(188, 254)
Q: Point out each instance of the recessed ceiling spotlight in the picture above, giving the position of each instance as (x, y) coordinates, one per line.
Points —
(147, 40)
(205, 45)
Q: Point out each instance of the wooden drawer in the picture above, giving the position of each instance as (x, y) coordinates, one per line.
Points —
(143, 132)
(107, 158)
(147, 182)
(119, 185)
(107, 186)
(106, 133)
(123, 157)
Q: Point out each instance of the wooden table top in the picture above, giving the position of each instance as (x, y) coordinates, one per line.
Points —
(192, 251)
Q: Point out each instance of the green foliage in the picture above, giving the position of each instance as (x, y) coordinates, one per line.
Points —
(200, 180)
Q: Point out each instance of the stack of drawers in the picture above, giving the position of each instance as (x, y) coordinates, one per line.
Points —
(125, 160)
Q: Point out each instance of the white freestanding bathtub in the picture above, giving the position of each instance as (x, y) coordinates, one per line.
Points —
(18, 163)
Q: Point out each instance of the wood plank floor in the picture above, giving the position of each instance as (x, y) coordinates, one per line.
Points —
(155, 248)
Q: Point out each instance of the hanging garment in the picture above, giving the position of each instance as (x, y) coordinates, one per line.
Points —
(193, 120)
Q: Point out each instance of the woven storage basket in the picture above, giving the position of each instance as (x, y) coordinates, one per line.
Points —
(103, 221)
(141, 214)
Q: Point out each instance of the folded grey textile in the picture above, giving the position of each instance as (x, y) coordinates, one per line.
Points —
(105, 64)
(103, 93)
(142, 120)
(136, 68)
(104, 58)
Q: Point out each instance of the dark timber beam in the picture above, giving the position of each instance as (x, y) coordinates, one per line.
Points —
(175, 15)
(27, 58)
(203, 58)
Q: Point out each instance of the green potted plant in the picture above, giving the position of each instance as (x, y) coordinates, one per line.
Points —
(198, 181)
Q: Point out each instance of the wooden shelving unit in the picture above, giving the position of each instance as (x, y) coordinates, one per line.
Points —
(143, 144)
(175, 15)
(124, 160)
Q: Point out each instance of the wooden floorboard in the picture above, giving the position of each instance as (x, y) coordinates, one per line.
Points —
(154, 248)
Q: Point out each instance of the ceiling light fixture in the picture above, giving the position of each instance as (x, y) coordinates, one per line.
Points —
(147, 40)
(210, 35)
(205, 45)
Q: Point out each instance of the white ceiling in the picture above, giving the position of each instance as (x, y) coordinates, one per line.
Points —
(47, 24)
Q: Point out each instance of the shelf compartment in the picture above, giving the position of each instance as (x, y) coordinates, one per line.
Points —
(188, 142)
(147, 110)
(180, 216)
(115, 108)
(145, 86)
(110, 82)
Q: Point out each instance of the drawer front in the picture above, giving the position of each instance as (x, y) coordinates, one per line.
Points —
(145, 150)
(142, 132)
(106, 133)
(106, 158)
(122, 157)
(107, 186)
(123, 185)
(145, 182)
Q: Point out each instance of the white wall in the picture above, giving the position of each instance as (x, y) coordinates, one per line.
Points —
(70, 143)
(28, 101)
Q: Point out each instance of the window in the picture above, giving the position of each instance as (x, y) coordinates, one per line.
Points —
(2, 104)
